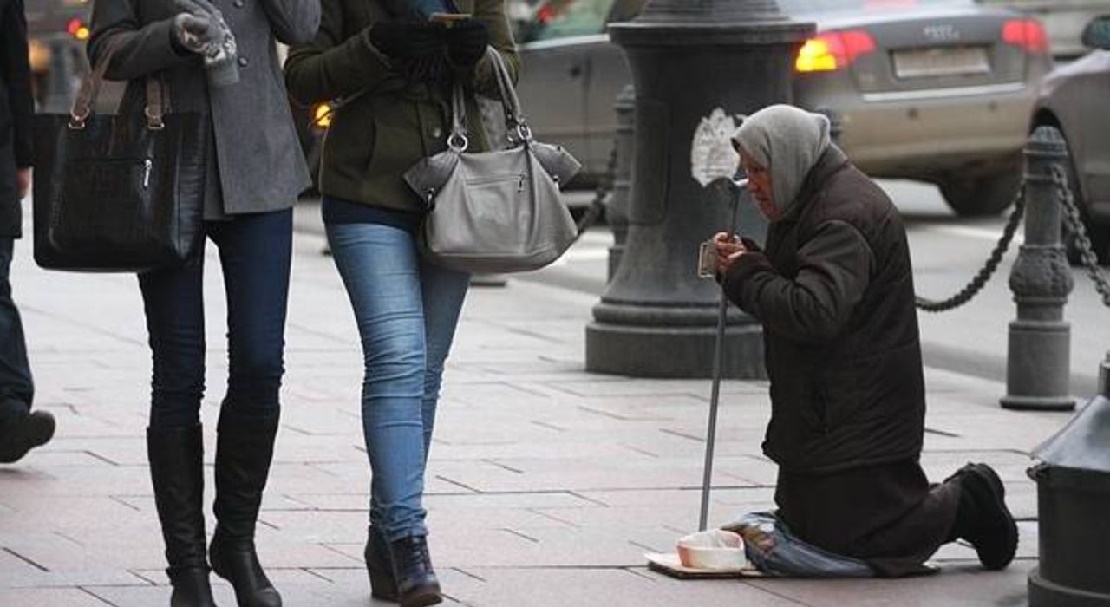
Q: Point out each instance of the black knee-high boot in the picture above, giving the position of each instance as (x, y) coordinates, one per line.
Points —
(244, 450)
(176, 457)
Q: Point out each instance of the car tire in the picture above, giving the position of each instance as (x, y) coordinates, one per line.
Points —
(981, 196)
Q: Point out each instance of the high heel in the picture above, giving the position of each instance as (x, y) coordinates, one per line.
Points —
(379, 565)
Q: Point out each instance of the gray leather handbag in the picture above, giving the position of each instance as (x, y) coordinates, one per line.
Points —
(497, 211)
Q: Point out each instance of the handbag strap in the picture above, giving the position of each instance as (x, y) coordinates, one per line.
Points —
(510, 102)
(90, 90)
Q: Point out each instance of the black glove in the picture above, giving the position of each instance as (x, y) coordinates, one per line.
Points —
(466, 43)
(408, 39)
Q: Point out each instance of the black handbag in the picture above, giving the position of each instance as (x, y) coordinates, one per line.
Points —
(118, 193)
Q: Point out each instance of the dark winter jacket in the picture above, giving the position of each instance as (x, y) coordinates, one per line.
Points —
(834, 292)
(387, 124)
(16, 108)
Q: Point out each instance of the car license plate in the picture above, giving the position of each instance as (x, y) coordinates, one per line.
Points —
(920, 63)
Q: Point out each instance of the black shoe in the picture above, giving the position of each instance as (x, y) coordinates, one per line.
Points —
(176, 458)
(243, 455)
(982, 517)
(412, 568)
(27, 432)
(379, 565)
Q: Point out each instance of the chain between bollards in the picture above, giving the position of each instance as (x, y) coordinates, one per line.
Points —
(976, 285)
(1075, 224)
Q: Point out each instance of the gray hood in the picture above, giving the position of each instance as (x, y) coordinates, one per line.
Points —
(788, 142)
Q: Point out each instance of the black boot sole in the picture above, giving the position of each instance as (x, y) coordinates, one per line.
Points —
(422, 597)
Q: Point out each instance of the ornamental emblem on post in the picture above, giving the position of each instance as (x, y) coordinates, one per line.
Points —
(711, 153)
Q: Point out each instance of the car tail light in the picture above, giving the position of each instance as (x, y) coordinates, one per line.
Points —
(833, 50)
(1028, 34)
(77, 28)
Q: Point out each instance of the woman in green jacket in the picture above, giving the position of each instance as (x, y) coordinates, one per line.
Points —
(390, 69)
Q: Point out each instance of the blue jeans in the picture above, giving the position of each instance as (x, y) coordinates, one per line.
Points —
(255, 253)
(16, 386)
(406, 310)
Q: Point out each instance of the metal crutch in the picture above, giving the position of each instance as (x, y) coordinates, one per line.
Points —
(718, 365)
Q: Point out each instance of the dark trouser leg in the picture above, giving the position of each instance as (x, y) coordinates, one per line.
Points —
(16, 386)
(255, 253)
(888, 515)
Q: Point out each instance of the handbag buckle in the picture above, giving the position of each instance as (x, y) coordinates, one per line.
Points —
(154, 121)
(458, 142)
(77, 119)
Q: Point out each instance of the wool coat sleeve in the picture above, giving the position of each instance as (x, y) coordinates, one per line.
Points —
(293, 21)
(834, 268)
(140, 49)
(333, 65)
(15, 73)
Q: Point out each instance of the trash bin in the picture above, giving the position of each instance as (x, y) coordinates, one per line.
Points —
(1073, 503)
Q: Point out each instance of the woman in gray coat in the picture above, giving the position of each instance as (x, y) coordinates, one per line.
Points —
(220, 60)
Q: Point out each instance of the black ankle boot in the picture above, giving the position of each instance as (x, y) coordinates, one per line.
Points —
(982, 517)
(243, 455)
(176, 457)
(412, 568)
(379, 565)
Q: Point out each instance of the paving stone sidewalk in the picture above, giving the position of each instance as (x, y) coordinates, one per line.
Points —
(546, 484)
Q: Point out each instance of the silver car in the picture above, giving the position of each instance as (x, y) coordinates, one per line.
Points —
(1073, 98)
(932, 90)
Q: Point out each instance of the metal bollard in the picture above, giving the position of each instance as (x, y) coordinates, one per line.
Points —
(616, 210)
(1104, 377)
(657, 318)
(1039, 353)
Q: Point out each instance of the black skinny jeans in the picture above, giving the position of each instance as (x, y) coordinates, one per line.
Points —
(255, 253)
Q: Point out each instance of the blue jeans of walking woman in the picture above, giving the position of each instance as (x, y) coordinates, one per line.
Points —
(406, 310)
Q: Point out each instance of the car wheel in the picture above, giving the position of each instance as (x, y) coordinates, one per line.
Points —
(981, 196)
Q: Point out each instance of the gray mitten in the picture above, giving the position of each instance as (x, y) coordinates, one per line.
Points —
(220, 50)
(195, 33)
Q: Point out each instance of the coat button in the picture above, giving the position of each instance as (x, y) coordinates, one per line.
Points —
(243, 61)
(238, 4)
(437, 132)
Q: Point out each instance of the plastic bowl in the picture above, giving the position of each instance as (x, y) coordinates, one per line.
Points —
(712, 550)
